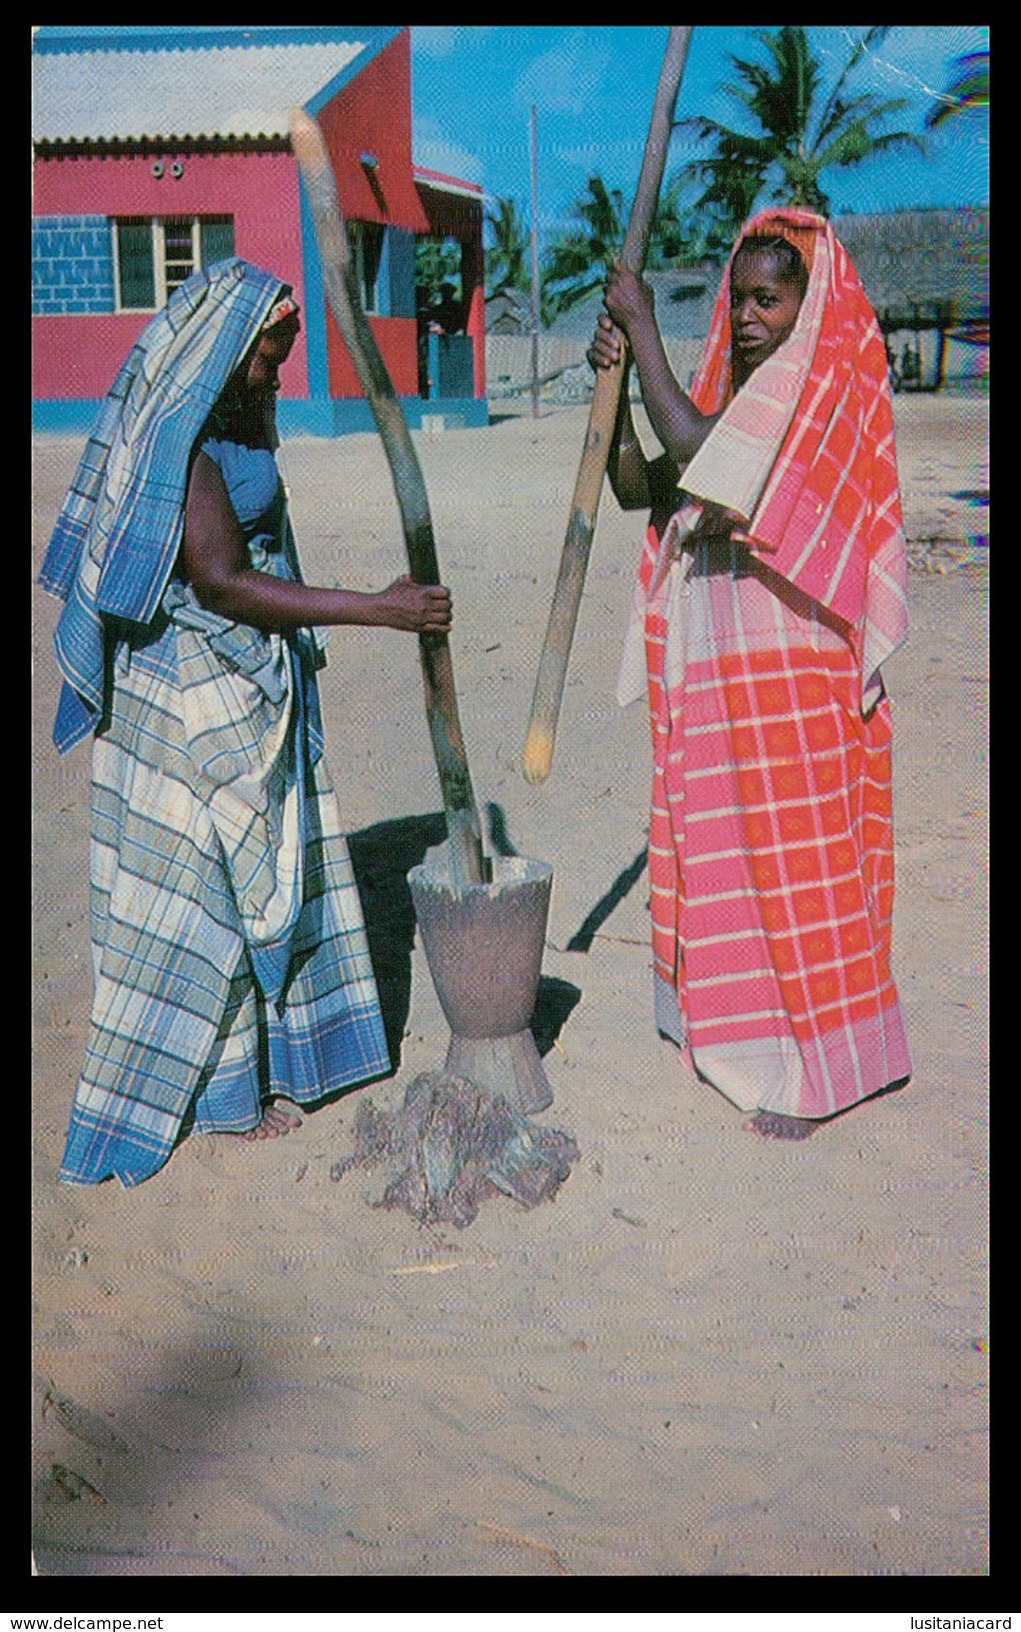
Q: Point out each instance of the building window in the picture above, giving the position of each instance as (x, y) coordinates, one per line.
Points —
(366, 239)
(153, 254)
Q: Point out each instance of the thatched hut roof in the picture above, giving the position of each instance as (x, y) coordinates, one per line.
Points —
(921, 268)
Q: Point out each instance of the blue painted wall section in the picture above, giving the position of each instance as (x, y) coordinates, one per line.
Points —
(339, 417)
(451, 366)
(399, 249)
(72, 264)
(313, 316)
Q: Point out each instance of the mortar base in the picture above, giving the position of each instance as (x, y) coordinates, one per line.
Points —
(511, 1066)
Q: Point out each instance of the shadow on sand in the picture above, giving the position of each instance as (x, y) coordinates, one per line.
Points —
(625, 881)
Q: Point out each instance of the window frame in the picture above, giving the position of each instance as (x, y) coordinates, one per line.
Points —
(158, 251)
(371, 296)
(163, 287)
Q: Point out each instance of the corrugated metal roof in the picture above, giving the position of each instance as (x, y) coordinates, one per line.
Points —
(188, 89)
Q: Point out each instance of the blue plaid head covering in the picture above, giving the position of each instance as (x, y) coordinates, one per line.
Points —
(120, 526)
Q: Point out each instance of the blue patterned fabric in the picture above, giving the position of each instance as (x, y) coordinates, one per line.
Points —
(119, 529)
(229, 951)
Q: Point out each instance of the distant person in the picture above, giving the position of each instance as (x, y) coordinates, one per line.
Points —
(445, 314)
(893, 370)
(771, 590)
(231, 966)
(422, 320)
(910, 367)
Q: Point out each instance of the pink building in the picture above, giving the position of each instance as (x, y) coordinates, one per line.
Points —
(158, 151)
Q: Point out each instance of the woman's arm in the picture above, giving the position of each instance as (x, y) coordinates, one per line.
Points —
(626, 464)
(678, 424)
(215, 562)
(638, 483)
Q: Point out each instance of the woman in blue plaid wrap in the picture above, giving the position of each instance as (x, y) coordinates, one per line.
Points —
(230, 959)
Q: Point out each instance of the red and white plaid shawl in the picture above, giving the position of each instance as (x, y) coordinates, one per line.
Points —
(770, 838)
(828, 518)
(804, 454)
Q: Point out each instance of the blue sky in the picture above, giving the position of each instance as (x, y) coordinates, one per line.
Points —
(593, 90)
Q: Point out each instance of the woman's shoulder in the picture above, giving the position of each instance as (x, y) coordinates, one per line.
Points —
(229, 451)
(250, 475)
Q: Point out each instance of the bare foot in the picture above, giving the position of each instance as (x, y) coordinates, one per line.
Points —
(277, 1120)
(771, 1125)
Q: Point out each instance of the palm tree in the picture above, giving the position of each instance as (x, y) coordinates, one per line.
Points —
(436, 262)
(969, 88)
(578, 260)
(797, 138)
(684, 236)
(507, 259)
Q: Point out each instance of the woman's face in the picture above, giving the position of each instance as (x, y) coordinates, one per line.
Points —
(272, 348)
(764, 306)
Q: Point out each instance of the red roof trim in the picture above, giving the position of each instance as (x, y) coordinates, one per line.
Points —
(450, 184)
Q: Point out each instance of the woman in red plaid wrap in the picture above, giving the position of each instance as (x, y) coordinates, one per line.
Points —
(772, 588)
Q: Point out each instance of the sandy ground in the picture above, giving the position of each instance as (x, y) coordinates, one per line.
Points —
(707, 1355)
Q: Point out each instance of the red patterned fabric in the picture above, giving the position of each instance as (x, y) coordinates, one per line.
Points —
(830, 519)
(771, 843)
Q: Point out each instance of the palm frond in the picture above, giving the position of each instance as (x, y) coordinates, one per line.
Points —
(856, 143)
(780, 94)
(866, 109)
(506, 258)
(871, 37)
